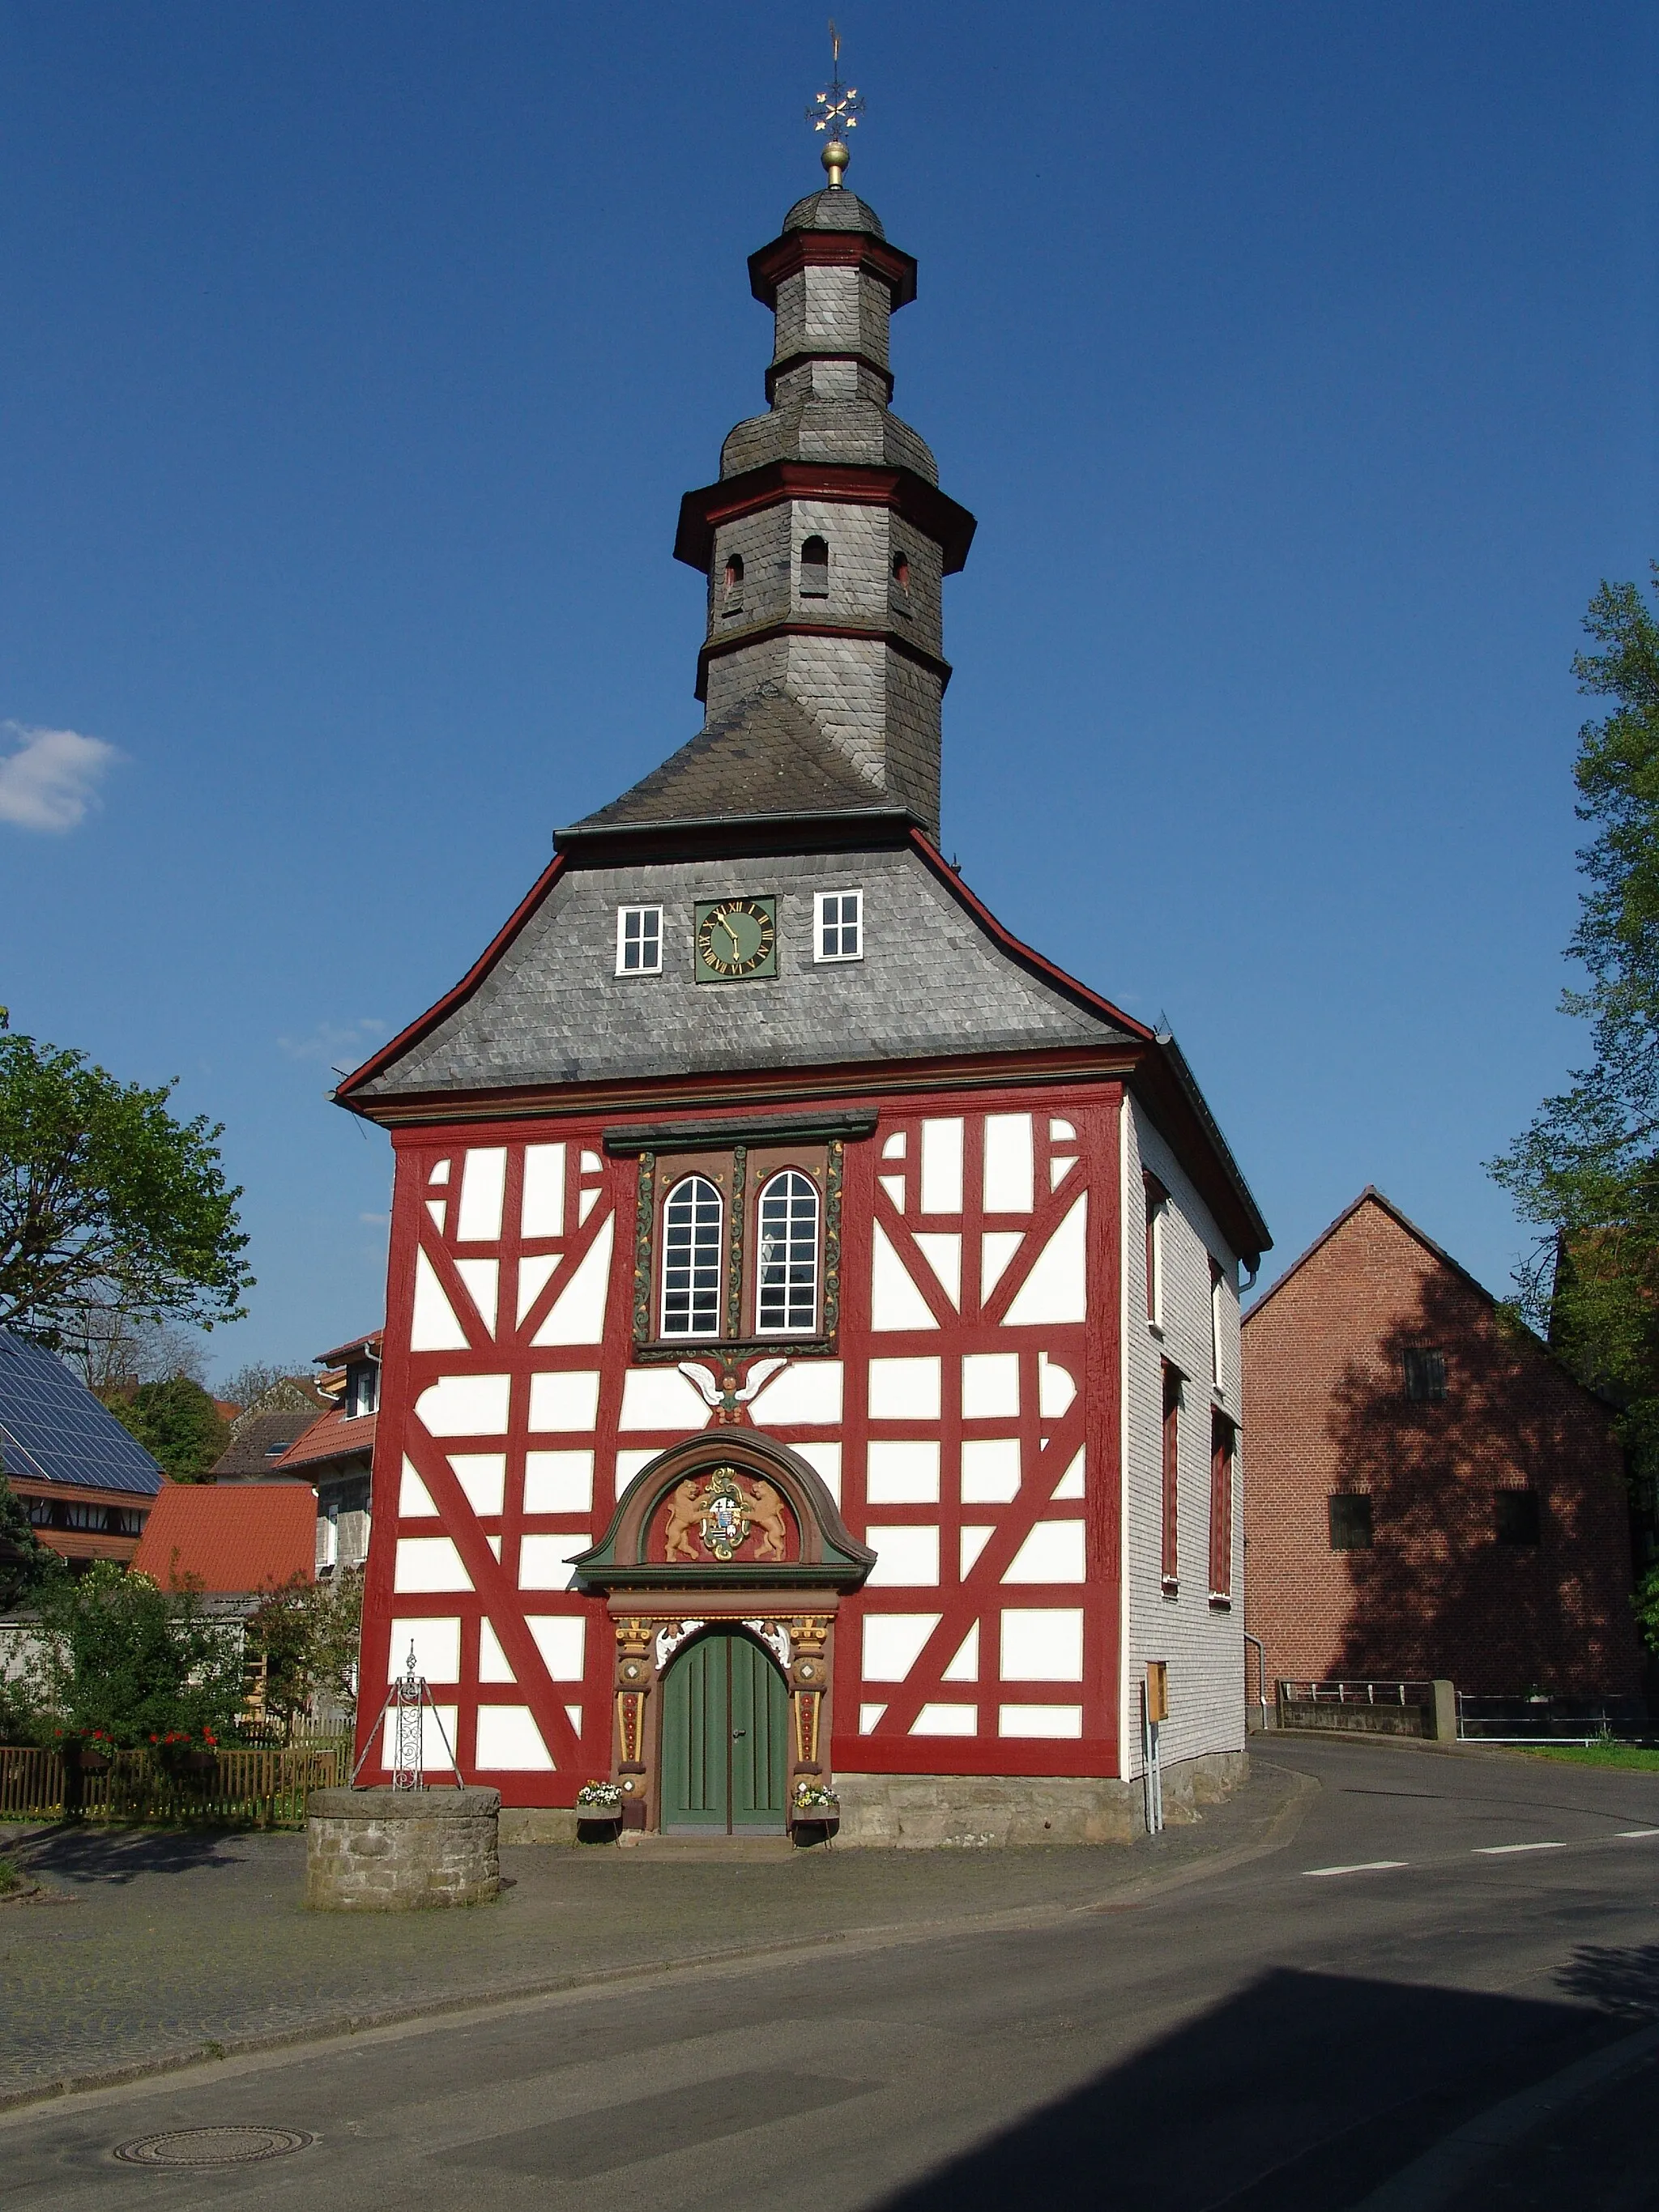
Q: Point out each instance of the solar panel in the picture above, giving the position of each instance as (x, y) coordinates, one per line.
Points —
(53, 1430)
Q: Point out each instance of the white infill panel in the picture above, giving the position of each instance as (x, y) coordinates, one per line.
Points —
(564, 1404)
(483, 1477)
(870, 1718)
(895, 1146)
(465, 1405)
(578, 1313)
(894, 1187)
(942, 1249)
(439, 1177)
(559, 1638)
(904, 1389)
(535, 1272)
(1008, 1163)
(437, 1650)
(826, 1462)
(483, 1179)
(437, 1723)
(964, 1666)
(433, 1326)
(1069, 1487)
(428, 1564)
(1055, 1388)
(906, 1558)
(990, 1470)
(558, 1481)
(482, 1280)
(628, 1464)
(1043, 1643)
(901, 1473)
(997, 1247)
(415, 1500)
(544, 1561)
(946, 1720)
(544, 1191)
(1052, 1553)
(1040, 1720)
(990, 1386)
(807, 1393)
(662, 1398)
(941, 1167)
(894, 1301)
(494, 1665)
(509, 1742)
(893, 1642)
(974, 1539)
(1056, 1289)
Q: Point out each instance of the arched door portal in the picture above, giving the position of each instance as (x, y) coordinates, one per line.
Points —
(725, 1737)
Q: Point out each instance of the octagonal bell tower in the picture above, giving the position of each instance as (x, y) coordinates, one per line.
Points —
(827, 539)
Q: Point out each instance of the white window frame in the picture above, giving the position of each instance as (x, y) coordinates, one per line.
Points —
(665, 1330)
(787, 1327)
(821, 899)
(623, 914)
(1218, 1314)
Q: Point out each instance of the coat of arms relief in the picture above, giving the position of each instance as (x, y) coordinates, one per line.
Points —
(713, 1518)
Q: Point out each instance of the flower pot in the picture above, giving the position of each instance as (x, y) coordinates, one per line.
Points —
(599, 1813)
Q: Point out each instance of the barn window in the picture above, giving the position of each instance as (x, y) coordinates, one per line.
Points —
(1516, 1517)
(691, 1223)
(787, 1289)
(814, 568)
(1426, 1374)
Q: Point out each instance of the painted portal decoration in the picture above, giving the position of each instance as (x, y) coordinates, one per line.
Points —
(723, 1516)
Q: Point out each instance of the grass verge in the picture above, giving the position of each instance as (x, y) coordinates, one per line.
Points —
(1644, 1757)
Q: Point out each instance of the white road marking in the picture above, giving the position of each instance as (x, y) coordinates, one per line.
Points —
(1502, 1851)
(1639, 1831)
(1367, 1866)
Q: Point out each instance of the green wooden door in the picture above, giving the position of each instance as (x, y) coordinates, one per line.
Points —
(725, 1738)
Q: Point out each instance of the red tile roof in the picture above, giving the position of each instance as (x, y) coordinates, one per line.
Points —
(369, 1341)
(245, 1537)
(333, 1436)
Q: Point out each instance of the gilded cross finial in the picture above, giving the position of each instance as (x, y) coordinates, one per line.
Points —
(835, 111)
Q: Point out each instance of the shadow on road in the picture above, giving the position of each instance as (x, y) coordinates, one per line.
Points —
(1305, 2089)
(73, 1851)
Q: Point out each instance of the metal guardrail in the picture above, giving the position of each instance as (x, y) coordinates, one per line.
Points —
(1350, 1692)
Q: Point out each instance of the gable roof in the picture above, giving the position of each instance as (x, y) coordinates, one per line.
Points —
(334, 1437)
(258, 1441)
(250, 1537)
(766, 757)
(1372, 1196)
(53, 1430)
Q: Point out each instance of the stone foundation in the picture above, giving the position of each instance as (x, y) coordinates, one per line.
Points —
(538, 1824)
(966, 1811)
(399, 1851)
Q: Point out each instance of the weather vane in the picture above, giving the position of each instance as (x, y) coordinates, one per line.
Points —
(835, 111)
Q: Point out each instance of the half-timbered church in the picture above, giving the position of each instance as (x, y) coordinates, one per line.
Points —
(811, 1357)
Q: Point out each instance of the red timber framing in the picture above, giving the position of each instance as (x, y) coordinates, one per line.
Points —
(488, 1440)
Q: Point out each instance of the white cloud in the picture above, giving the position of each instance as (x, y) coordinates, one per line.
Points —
(50, 778)
(340, 1044)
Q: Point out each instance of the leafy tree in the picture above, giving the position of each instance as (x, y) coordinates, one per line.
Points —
(1586, 1171)
(177, 1423)
(251, 1383)
(122, 1656)
(25, 1563)
(108, 1204)
(309, 1633)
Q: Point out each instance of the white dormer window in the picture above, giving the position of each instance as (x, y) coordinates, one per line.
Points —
(840, 931)
(639, 940)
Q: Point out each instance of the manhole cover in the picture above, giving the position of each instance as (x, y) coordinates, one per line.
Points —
(212, 2145)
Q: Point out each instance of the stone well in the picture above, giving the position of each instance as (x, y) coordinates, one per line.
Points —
(398, 1850)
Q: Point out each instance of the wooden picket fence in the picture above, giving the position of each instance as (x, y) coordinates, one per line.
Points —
(246, 1788)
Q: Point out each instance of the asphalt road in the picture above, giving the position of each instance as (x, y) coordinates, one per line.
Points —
(1333, 2022)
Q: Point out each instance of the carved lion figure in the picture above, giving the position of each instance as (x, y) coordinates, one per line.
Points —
(766, 1510)
(684, 1510)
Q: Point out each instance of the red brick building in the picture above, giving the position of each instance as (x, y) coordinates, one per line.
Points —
(1427, 1492)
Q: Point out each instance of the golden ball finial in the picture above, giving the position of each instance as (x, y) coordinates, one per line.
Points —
(835, 158)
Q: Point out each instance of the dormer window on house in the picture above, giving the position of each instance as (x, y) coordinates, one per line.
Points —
(839, 934)
(639, 940)
(363, 1388)
(814, 568)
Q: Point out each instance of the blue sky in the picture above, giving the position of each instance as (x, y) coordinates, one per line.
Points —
(1298, 361)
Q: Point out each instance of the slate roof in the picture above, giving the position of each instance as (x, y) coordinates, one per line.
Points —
(766, 757)
(230, 1541)
(836, 210)
(259, 1441)
(332, 1438)
(53, 1430)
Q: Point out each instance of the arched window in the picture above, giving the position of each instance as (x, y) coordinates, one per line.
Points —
(786, 1291)
(902, 572)
(691, 1259)
(735, 575)
(814, 568)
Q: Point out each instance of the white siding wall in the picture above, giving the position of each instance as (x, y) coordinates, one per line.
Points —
(1202, 1645)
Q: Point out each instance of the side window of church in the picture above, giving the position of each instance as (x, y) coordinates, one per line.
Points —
(814, 568)
(1350, 1521)
(840, 932)
(1426, 1374)
(639, 940)
(722, 1280)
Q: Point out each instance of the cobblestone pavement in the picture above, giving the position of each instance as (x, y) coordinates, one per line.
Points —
(167, 1943)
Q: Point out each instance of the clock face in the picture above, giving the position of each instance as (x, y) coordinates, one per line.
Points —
(737, 938)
